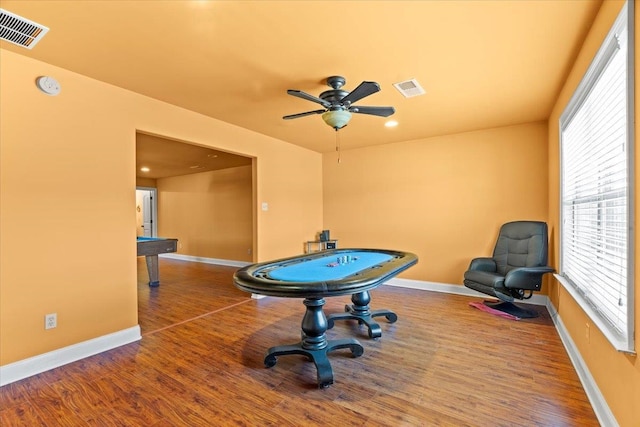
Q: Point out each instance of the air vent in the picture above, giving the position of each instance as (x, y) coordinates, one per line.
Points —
(18, 30)
(409, 88)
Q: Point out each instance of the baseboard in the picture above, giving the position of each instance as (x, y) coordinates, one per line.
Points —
(455, 289)
(43, 362)
(227, 262)
(598, 403)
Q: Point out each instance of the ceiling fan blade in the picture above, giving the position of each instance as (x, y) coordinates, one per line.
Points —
(304, 95)
(363, 89)
(374, 111)
(308, 113)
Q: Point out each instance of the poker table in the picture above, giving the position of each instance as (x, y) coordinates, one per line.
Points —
(314, 277)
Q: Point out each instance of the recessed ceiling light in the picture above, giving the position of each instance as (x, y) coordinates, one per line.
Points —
(212, 156)
(145, 169)
(196, 167)
(391, 124)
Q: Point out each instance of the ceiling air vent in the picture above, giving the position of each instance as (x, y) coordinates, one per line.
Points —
(18, 30)
(409, 88)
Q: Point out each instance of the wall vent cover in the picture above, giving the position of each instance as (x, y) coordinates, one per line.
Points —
(18, 30)
(410, 88)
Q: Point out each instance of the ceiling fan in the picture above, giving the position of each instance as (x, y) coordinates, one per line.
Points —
(338, 103)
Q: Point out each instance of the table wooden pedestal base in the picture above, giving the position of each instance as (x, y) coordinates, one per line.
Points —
(360, 311)
(314, 343)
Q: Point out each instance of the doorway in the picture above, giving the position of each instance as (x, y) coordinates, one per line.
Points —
(205, 196)
(146, 212)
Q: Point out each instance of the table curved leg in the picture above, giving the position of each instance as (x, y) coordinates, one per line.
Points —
(314, 344)
(359, 311)
(389, 315)
(323, 369)
(325, 373)
(283, 350)
(356, 348)
(319, 357)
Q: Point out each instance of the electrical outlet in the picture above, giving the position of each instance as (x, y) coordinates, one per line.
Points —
(50, 320)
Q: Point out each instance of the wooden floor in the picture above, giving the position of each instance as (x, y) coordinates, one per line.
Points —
(200, 363)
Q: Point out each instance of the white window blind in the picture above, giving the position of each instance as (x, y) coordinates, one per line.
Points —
(596, 143)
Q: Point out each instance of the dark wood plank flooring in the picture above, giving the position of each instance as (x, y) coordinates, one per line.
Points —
(200, 363)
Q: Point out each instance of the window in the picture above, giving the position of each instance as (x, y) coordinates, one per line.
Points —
(596, 162)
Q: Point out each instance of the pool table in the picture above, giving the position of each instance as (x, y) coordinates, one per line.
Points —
(150, 248)
(314, 277)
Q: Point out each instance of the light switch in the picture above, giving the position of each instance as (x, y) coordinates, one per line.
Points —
(265, 206)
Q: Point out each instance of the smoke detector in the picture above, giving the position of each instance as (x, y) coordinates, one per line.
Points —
(20, 31)
(48, 85)
(409, 88)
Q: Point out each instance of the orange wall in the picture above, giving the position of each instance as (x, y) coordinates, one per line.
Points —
(443, 198)
(67, 211)
(617, 374)
(210, 213)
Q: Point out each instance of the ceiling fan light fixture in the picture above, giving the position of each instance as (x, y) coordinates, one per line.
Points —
(338, 103)
(337, 119)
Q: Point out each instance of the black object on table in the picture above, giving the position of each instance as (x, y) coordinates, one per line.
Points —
(316, 276)
(150, 248)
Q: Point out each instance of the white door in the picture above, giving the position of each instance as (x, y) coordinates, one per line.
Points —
(147, 214)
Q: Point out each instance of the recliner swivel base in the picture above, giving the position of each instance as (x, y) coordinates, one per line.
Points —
(511, 308)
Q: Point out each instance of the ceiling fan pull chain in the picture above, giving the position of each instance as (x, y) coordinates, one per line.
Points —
(338, 145)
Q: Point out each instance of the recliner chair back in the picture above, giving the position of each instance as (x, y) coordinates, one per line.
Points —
(521, 244)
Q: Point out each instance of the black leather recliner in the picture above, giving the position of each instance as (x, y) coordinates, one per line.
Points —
(516, 268)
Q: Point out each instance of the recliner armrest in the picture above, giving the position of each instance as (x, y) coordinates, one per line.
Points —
(483, 264)
(529, 278)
